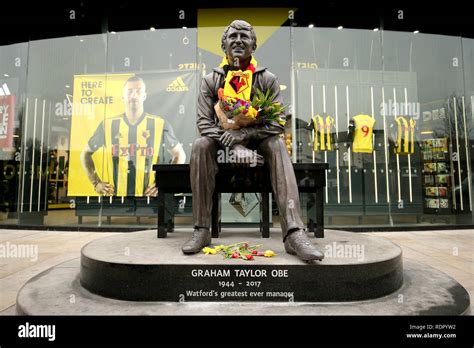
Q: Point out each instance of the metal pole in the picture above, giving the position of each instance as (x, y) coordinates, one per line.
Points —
(374, 153)
(410, 188)
(41, 155)
(33, 157)
(48, 147)
(100, 212)
(337, 150)
(325, 152)
(385, 146)
(451, 159)
(311, 120)
(25, 136)
(293, 98)
(398, 157)
(349, 149)
(458, 150)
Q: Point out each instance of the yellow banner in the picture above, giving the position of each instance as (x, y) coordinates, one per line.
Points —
(95, 99)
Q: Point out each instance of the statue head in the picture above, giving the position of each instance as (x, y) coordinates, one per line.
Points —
(239, 42)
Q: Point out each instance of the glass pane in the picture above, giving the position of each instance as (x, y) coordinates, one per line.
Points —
(338, 77)
(424, 83)
(56, 107)
(151, 81)
(468, 114)
(60, 145)
(13, 67)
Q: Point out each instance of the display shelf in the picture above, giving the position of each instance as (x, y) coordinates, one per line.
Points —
(436, 179)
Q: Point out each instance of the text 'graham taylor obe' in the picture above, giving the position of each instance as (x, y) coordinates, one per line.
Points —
(243, 273)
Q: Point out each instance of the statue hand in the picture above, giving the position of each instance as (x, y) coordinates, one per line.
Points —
(230, 138)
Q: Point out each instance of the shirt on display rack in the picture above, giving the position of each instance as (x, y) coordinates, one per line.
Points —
(323, 132)
(362, 128)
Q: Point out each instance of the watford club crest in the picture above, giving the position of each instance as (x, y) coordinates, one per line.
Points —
(239, 83)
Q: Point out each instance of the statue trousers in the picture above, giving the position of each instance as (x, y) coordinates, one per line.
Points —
(204, 167)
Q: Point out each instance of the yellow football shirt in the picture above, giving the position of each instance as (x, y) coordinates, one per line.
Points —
(364, 126)
(323, 133)
(405, 135)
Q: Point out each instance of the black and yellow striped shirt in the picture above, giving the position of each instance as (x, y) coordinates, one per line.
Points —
(323, 133)
(405, 135)
(131, 150)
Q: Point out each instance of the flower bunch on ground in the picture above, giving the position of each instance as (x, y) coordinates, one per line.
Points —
(238, 251)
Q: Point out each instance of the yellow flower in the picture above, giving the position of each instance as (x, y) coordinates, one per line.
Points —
(208, 251)
(219, 247)
(252, 112)
(269, 253)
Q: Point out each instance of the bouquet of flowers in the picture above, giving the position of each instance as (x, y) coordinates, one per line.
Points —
(239, 251)
(235, 113)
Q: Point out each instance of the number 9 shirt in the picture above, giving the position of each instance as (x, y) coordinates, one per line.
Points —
(363, 130)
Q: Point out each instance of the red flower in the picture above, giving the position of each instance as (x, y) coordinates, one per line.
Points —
(249, 257)
(235, 255)
(254, 252)
(227, 108)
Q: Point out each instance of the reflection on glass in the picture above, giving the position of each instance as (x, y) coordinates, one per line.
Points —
(86, 117)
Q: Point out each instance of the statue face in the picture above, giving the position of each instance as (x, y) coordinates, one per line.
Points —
(238, 45)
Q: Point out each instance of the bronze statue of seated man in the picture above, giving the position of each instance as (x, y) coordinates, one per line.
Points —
(239, 75)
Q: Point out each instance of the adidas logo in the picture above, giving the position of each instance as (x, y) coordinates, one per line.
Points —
(4, 90)
(177, 85)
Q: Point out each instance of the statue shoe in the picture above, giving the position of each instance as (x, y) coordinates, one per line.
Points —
(201, 238)
(298, 243)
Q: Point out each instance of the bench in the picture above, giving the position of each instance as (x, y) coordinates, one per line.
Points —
(174, 178)
(116, 206)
